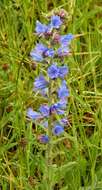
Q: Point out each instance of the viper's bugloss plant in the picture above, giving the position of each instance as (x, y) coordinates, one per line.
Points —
(49, 53)
(51, 82)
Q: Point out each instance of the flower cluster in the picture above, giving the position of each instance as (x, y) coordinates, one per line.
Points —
(50, 52)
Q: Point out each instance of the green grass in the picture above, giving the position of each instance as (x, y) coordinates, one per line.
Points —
(77, 159)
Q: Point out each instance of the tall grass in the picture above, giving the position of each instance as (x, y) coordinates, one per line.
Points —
(77, 158)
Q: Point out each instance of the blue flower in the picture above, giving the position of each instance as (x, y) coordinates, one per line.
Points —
(40, 28)
(63, 70)
(63, 92)
(40, 48)
(63, 51)
(44, 109)
(53, 71)
(37, 53)
(56, 21)
(66, 39)
(40, 83)
(33, 114)
(43, 139)
(57, 108)
(57, 130)
(36, 56)
(49, 52)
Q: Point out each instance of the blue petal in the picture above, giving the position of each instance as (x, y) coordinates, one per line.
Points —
(44, 109)
(63, 91)
(63, 51)
(43, 139)
(40, 28)
(63, 70)
(49, 53)
(66, 39)
(36, 56)
(57, 109)
(62, 104)
(40, 48)
(33, 114)
(53, 71)
(56, 21)
(57, 130)
(40, 82)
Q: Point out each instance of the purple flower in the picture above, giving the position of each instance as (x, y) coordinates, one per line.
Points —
(57, 130)
(63, 70)
(49, 53)
(44, 109)
(66, 39)
(33, 114)
(40, 83)
(63, 92)
(63, 51)
(43, 139)
(40, 28)
(53, 71)
(36, 56)
(56, 21)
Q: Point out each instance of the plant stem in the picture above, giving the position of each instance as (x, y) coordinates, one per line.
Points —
(49, 146)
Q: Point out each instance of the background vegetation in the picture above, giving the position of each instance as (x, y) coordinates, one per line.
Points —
(78, 158)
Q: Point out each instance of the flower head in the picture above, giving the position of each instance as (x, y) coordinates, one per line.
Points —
(33, 114)
(57, 130)
(40, 83)
(63, 91)
(56, 21)
(53, 71)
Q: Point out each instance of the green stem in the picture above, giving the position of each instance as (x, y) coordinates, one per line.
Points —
(49, 146)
